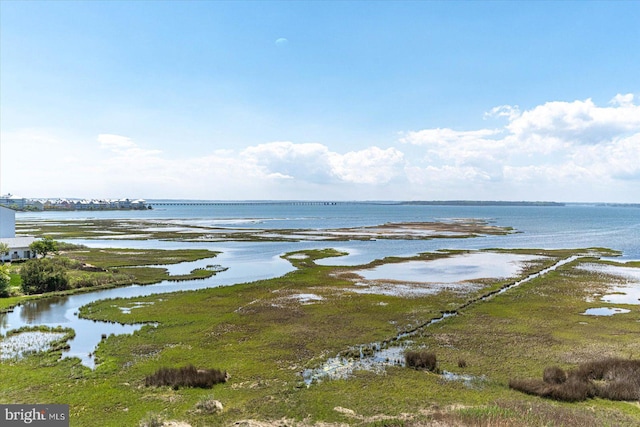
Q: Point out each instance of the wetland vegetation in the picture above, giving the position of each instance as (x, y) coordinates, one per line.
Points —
(267, 333)
(76, 268)
(188, 231)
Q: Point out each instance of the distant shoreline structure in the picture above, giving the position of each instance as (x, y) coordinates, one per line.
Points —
(187, 202)
(76, 204)
(481, 203)
(23, 204)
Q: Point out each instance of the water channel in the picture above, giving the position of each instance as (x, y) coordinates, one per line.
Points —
(243, 265)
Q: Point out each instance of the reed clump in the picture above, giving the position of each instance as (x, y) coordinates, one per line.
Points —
(187, 376)
(612, 378)
(554, 375)
(423, 360)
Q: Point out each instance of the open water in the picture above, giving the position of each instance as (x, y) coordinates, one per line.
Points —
(569, 226)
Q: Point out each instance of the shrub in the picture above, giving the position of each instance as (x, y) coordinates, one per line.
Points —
(44, 246)
(462, 363)
(554, 375)
(619, 390)
(530, 386)
(421, 360)
(43, 275)
(621, 378)
(5, 281)
(617, 379)
(574, 389)
(188, 376)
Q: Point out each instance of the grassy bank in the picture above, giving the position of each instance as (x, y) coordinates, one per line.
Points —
(264, 334)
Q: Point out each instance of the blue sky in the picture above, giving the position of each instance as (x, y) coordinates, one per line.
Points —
(321, 100)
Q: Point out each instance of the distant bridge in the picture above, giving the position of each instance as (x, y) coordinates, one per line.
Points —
(283, 203)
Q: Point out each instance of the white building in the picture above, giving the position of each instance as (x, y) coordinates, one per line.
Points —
(7, 222)
(18, 246)
(13, 201)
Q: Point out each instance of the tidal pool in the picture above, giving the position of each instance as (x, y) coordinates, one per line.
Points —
(306, 298)
(451, 270)
(605, 311)
(627, 292)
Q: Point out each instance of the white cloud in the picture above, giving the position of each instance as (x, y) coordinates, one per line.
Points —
(578, 122)
(509, 111)
(315, 163)
(124, 147)
(446, 136)
(566, 151)
(625, 100)
(115, 142)
(558, 147)
(370, 166)
(306, 162)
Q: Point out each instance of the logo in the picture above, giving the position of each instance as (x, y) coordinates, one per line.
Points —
(34, 415)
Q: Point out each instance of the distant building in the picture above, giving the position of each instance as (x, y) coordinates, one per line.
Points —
(93, 205)
(18, 246)
(11, 201)
(36, 205)
(22, 204)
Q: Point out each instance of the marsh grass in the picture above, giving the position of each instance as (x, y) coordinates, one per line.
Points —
(613, 379)
(518, 413)
(111, 258)
(188, 376)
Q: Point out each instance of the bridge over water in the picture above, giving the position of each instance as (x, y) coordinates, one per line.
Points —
(283, 203)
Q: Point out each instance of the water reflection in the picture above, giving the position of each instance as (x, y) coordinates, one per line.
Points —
(244, 265)
(605, 311)
(37, 310)
(452, 269)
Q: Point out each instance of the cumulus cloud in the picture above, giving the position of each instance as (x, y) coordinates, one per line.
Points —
(557, 145)
(559, 150)
(446, 136)
(278, 169)
(577, 122)
(124, 146)
(370, 166)
(115, 142)
(509, 111)
(307, 162)
(315, 163)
